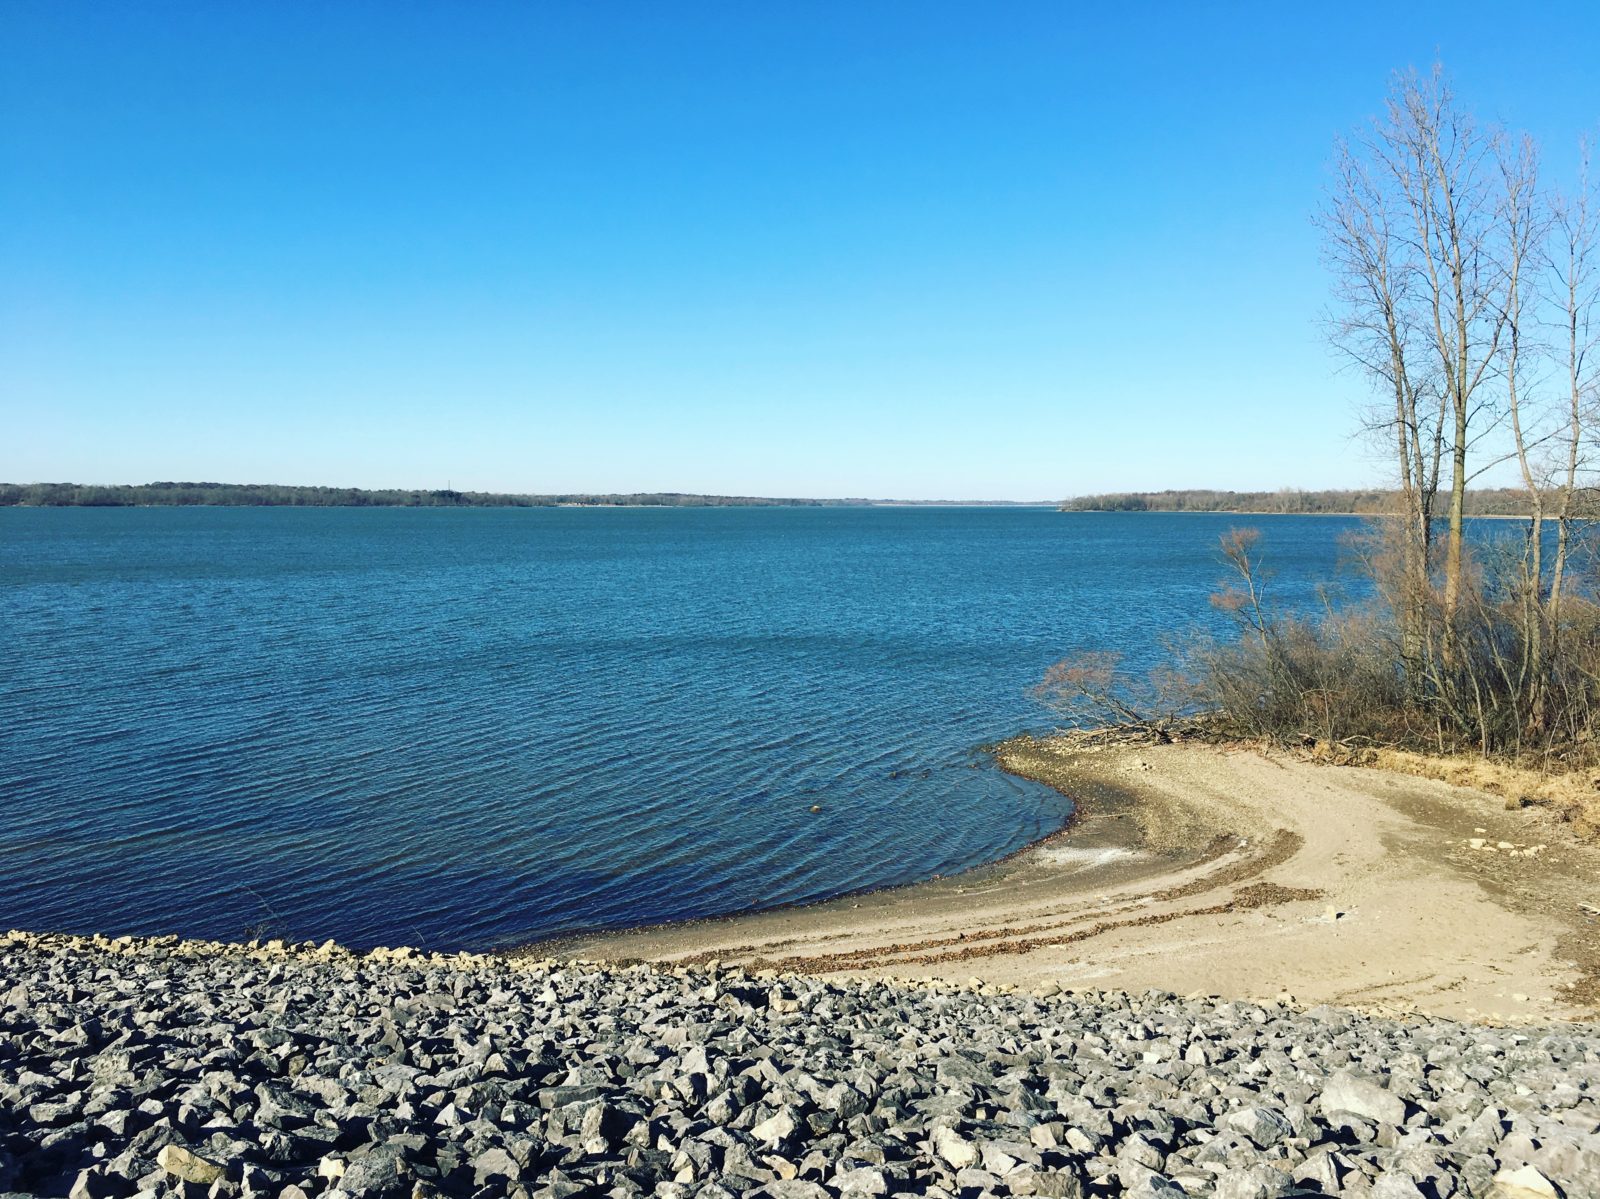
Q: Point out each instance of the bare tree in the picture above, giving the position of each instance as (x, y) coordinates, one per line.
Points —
(1452, 266)
(1415, 230)
(1522, 233)
(1575, 278)
(1375, 328)
(1439, 162)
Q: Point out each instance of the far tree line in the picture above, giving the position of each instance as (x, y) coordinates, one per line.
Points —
(77, 495)
(1479, 501)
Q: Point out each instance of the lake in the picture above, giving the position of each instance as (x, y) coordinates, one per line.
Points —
(465, 728)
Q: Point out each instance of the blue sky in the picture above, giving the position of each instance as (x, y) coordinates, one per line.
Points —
(913, 250)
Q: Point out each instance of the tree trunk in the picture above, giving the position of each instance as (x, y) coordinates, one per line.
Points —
(1452, 544)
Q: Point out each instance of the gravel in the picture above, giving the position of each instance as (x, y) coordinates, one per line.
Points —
(207, 1071)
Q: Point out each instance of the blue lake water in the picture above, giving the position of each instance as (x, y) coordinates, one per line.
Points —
(464, 728)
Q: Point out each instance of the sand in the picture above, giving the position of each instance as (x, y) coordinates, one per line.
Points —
(1234, 872)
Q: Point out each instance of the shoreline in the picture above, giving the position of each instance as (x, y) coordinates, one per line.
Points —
(1200, 869)
(557, 944)
(1009, 1049)
(1264, 512)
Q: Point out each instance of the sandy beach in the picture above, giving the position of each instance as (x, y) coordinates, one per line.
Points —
(1232, 872)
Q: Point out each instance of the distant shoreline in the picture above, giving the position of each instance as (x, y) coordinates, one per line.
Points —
(1267, 512)
(1203, 512)
(1485, 502)
(799, 506)
(836, 505)
(275, 495)
(1367, 502)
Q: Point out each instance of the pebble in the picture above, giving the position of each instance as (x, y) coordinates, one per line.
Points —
(173, 1070)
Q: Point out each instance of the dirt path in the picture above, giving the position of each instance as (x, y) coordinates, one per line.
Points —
(1332, 884)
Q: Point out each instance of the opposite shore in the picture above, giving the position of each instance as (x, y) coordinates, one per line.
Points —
(1367, 503)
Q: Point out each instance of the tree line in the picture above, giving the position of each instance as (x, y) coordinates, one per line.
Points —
(259, 495)
(1478, 501)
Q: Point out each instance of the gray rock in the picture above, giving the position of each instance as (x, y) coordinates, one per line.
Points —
(495, 1165)
(863, 1180)
(187, 1166)
(1259, 1181)
(1053, 1184)
(1140, 1150)
(1321, 1170)
(1345, 1092)
(95, 1183)
(1155, 1186)
(1396, 1186)
(313, 1072)
(954, 1148)
(794, 1188)
(777, 1128)
(381, 1172)
(1525, 1182)
(1264, 1126)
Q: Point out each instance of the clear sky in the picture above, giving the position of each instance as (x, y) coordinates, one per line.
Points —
(918, 250)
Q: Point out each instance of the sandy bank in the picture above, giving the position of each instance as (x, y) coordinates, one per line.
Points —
(1196, 869)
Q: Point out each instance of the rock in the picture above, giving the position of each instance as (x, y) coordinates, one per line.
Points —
(1140, 1150)
(954, 1148)
(1524, 1182)
(427, 1074)
(93, 1183)
(777, 1128)
(1344, 1092)
(181, 1163)
(1259, 1181)
(495, 1165)
(1321, 1171)
(863, 1180)
(379, 1173)
(1053, 1184)
(973, 1179)
(1264, 1126)
(1155, 1186)
(1395, 1186)
(795, 1188)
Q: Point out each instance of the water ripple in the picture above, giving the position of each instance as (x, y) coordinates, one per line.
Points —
(466, 728)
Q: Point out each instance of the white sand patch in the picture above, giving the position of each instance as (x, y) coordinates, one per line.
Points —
(1085, 859)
